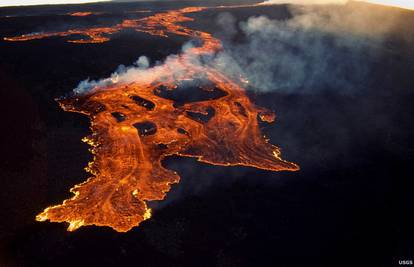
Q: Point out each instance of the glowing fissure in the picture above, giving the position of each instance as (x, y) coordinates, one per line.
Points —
(135, 125)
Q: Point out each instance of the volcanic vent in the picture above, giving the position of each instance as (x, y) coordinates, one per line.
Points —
(180, 108)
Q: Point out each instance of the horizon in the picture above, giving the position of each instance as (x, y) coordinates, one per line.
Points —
(404, 4)
(12, 3)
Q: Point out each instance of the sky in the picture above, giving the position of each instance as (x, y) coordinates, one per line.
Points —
(408, 4)
(45, 2)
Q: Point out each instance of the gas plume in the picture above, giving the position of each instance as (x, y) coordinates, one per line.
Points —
(318, 48)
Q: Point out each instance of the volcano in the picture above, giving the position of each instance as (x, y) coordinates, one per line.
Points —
(186, 108)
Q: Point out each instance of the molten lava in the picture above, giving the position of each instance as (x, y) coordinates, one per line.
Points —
(80, 14)
(136, 125)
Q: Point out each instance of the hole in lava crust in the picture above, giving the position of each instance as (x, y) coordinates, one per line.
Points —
(201, 117)
(118, 116)
(190, 91)
(182, 131)
(145, 128)
(143, 102)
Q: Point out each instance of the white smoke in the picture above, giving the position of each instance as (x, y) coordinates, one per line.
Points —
(122, 74)
(141, 71)
(318, 48)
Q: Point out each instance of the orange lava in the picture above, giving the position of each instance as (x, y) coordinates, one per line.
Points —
(135, 125)
(80, 14)
(158, 24)
(92, 35)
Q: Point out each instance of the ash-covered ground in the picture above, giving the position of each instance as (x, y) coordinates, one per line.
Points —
(340, 80)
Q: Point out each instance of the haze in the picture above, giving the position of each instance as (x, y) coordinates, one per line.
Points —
(45, 2)
(407, 4)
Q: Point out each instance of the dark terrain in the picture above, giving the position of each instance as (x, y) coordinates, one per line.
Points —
(349, 205)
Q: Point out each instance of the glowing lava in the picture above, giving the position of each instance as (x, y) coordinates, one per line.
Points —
(136, 125)
(80, 14)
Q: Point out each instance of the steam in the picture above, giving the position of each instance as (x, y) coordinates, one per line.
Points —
(318, 48)
(140, 71)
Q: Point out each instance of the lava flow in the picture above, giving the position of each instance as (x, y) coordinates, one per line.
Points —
(80, 14)
(181, 107)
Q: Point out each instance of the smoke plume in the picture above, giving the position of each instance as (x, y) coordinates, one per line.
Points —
(318, 48)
